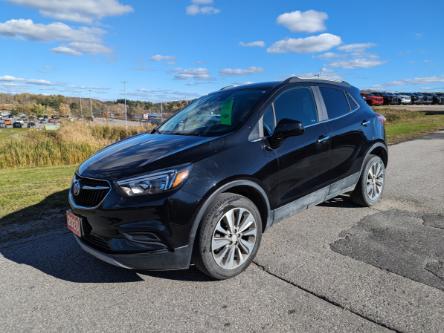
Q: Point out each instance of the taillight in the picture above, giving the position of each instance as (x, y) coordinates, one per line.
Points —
(381, 118)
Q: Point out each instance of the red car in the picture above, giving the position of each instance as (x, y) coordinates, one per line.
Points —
(372, 99)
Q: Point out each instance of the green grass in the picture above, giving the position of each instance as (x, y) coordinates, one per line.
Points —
(404, 125)
(28, 193)
(10, 133)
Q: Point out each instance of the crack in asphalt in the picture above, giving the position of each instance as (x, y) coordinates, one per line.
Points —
(326, 299)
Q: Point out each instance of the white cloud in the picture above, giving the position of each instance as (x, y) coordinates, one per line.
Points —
(83, 11)
(417, 81)
(308, 21)
(13, 80)
(204, 7)
(168, 58)
(324, 73)
(360, 62)
(328, 55)
(199, 73)
(66, 50)
(79, 41)
(241, 71)
(202, 2)
(356, 48)
(320, 43)
(256, 43)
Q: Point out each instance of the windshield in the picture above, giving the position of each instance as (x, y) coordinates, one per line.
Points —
(215, 114)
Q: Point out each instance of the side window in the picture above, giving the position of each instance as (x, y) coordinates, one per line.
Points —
(297, 104)
(351, 101)
(335, 101)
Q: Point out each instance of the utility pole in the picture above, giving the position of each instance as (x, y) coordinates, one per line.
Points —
(124, 97)
(161, 112)
(80, 106)
(90, 106)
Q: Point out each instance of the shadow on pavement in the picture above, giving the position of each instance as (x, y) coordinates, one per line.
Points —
(45, 244)
(341, 201)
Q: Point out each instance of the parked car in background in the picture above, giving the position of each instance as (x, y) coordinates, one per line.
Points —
(438, 98)
(389, 98)
(17, 124)
(416, 98)
(31, 124)
(426, 98)
(373, 99)
(405, 99)
(8, 122)
(392, 99)
(431, 98)
(2, 123)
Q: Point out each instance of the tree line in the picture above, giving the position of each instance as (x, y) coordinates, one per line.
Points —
(37, 105)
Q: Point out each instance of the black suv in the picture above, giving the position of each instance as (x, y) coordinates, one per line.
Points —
(203, 187)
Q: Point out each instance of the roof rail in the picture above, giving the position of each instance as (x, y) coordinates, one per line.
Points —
(294, 79)
(227, 87)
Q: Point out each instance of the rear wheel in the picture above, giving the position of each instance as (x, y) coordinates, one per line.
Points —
(370, 187)
(229, 236)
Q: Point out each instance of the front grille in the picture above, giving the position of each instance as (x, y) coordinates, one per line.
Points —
(92, 191)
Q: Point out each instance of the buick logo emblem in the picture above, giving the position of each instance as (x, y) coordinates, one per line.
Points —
(76, 188)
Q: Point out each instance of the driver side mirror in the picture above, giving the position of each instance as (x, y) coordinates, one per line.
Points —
(287, 128)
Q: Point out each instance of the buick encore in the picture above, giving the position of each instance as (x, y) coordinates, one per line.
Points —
(203, 187)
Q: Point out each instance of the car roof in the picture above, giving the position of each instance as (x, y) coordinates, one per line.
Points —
(294, 79)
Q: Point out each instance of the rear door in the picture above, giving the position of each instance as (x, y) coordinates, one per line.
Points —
(303, 160)
(347, 129)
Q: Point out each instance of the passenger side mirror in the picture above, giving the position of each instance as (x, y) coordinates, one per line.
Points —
(286, 128)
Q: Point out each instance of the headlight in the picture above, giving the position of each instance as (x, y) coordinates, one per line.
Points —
(155, 182)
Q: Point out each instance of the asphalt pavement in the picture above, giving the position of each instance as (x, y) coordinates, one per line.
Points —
(334, 267)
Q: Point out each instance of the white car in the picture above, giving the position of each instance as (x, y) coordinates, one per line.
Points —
(405, 99)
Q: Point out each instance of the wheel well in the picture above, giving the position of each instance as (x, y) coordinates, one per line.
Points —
(382, 153)
(254, 195)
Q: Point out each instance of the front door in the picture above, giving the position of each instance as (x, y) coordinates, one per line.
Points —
(303, 161)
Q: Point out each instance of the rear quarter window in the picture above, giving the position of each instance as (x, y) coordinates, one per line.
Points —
(336, 102)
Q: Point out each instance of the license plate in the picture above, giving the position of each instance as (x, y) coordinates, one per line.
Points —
(74, 223)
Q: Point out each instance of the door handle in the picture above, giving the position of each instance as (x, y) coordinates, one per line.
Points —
(323, 138)
(365, 123)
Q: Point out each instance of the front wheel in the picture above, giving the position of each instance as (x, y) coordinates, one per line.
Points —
(229, 236)
(369, 189)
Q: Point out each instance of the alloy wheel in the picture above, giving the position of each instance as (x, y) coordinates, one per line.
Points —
(375, 180)
(234, 238)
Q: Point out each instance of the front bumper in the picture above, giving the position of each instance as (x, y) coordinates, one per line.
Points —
(154, 261)
(139, 233)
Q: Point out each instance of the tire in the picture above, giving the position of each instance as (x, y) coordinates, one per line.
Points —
(210, 256)
(369, 189)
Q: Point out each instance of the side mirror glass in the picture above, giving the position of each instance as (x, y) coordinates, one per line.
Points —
(287, 128)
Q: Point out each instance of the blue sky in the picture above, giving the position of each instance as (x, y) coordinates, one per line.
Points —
(174, 49)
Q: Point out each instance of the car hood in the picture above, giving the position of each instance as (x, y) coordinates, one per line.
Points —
(144, 153)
